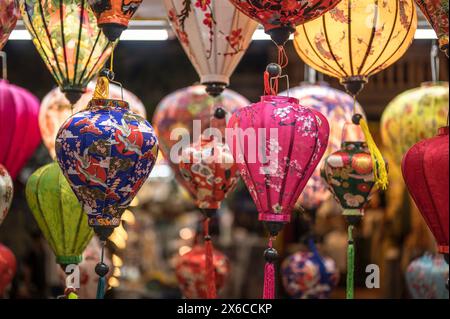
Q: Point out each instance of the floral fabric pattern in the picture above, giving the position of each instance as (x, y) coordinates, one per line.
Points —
(9, 13)
(114, 11)
(436, 12)
(106, 154)
(6, 192)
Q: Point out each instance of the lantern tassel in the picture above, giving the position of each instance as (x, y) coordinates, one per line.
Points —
(269, 272)
(101, 269)
(350, 263)
(101, 288)
(209, 263)
(379, 165)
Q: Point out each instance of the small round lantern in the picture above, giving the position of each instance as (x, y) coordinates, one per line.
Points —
(6, 192)
(8, 267)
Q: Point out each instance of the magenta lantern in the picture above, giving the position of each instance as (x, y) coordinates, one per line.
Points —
(277, 144)
(19, 128)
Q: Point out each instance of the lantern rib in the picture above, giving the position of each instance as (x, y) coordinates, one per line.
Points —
(329, 47)
(349, 30)
(266, 176)
(77, 234)
(6, 160)
(411, 22)
(197, 64)
(110, 144)
(372, 37)
(63, 228)
(90, 75)
(387, 41)
(63, 40)
(50, 39)
(226, 66)
(287, 166)
(80, 30)
(215, 41)
(90, 57)
(337, 74)
(49, 64)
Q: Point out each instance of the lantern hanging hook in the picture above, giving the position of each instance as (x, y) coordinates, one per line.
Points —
(4, 74)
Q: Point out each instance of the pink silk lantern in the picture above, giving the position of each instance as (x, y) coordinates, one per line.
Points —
(19, 129)
(425, 169)
(292, 140)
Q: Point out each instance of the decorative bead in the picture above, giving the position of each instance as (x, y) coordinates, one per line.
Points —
(220, 113)
(274, 69)
(207, 238)
(356, 118)
(271, 255)
(101, 269)
(107, 73)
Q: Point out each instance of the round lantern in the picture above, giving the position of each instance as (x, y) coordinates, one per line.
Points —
(214, 35)
(6, 192)
(113, 16)
(425, 169)
(436, 12)
(106, 153)
(426, 276)
(280, 18)
(19, 129)
(413, 116)
(357, 39)
(8, 267)
(292, 139)
(337, 107)
(55, 109)
(9, 13)
(307, 275)
(190, 269)
(67, 38)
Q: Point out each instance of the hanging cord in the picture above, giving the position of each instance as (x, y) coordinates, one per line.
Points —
(101, 269)
(350, 263)
(209, 262)
(434, 56)
(379, 165)
(273, 73)
(270, 255)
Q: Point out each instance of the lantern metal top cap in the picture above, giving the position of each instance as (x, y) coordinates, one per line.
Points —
(279, 99)
(108, 103)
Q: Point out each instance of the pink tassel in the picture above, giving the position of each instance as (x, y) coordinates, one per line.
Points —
(269, 272)
(209, 264)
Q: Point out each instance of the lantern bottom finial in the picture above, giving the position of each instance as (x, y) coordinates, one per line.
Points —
(103, 232)
(274, 227)
(354, 84)
(112, 31)
(73, 95)
(280, 35)
(215, 88)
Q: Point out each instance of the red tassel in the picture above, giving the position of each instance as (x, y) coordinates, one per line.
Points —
(267, 88)
(269, 277)
(209, 264)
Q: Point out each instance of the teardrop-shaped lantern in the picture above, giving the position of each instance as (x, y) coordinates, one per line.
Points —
(66, 35)
(214, 35)
(58, 214)
(19, 129)
(280, 18)
(106, 153)
(9, 13)
(6, 193)
(113, 16)
(277, 144)
(436, 12)
(425, 169)
(8, 267)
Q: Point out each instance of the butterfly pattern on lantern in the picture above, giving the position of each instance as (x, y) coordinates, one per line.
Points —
(107, 153)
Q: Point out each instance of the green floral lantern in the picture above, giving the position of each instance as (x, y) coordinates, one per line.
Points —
(58, 214)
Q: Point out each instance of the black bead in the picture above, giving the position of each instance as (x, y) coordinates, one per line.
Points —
(356, 118)
(107, 73)
(274, 69)
(207, 238)
(271, 255)
(220, 113)
(101, 269)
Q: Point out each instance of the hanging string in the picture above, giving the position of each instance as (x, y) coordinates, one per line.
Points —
(350, 263)
(209, 262)
(271, 256)
(434, 55)
(101, 269)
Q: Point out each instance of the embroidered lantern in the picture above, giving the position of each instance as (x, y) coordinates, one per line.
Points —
(189, 270)
(9, 13)
(277, 144)
(67, 38)
(6, 192)
(425, 169)
(19, 130)
(214, 35)
(8, 267)
(113, 16)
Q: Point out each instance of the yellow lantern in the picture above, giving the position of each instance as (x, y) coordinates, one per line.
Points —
(357, 39)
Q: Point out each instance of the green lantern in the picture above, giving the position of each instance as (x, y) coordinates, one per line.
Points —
(58, 213)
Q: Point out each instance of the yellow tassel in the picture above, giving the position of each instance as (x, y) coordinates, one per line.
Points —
(72, 295)
(102, 88)
(379, 165)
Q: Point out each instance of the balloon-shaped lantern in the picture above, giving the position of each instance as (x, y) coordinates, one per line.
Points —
(177, 112)
(436, 12)
(113, 16)
(210, 173)
(19, 129)
(214, 35)
(6, 192)
(56, 109)
(307, 275)
(280, 18)
(9, 13)
(425, 277)
(58, 214)
(277, 144)
(350, 177)
(8, 267)
(413, 116)
(425, 169)
(189, 269)
(66, 36)
(337, 107)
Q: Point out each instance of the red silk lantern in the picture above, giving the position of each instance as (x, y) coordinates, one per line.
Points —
(19, 129)
(8, 267)
(292, 140)
(425, 169)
